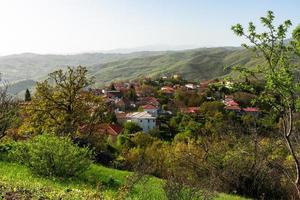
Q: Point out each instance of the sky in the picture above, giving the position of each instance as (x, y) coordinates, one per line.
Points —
(74, 26)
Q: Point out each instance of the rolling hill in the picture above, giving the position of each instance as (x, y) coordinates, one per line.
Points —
(195, 64)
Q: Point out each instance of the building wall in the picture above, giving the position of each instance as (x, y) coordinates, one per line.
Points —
(145, 124)
(153, 112)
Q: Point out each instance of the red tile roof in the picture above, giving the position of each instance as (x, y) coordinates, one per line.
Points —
(148, 107)
(190, 110)
(116, 129)
(231, 103)
(251, 109)
(167, 89)
(234, 107)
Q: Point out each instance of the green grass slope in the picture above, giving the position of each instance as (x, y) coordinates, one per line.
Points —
(19, 180)
(197, 64)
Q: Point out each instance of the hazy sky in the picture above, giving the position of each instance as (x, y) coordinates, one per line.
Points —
(69, 26)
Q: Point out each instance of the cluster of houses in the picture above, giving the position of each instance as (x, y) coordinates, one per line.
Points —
(231, 104)
(145, 109)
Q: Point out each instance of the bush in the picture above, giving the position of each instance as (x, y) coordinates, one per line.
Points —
(49, 155)
(5, 147)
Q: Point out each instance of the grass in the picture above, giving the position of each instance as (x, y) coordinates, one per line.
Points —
(96, 183)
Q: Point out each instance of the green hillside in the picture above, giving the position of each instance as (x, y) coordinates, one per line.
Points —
(34, 66)
(198, 64)
(17, 182)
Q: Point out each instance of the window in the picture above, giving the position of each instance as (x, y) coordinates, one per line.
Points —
(148, 120)
(141, 121)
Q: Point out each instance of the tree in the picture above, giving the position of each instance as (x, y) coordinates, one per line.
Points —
(112, 87)
(8, 109)
(61, 106)
(131, 94)
(27, 95)
(281, 90)
(131, 128)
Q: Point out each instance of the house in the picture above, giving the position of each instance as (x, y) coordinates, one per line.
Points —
(204, 85)
(149, 108)
(122, 104)
(252, 110)
(190, 86)
(190, 110)
(231, 104)
(149, 100)
(113, 94)
(121, 117)
(144, 119)
(167, 90)
(110, 130)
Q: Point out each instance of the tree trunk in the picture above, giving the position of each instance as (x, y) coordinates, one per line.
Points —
(287, 131)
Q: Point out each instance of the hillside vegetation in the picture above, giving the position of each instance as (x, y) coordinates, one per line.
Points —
(196, 64)
(17, 181)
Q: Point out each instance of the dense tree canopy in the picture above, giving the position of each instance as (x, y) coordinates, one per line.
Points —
(61, 104)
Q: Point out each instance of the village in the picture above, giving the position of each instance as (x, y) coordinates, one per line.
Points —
(146, 101)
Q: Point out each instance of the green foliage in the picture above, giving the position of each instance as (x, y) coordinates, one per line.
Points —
(27, 95)
(131, 94)
(52, 156)
(141, 139)
(281, 90)
(61, 106)
(131, 128)
(9, 109)
(296, 37)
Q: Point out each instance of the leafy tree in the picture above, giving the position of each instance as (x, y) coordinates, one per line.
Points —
(281, 90)
(131, 128)
(27, 95)
(8, 109)
(296, 42)
(131, 94)
(61, 106)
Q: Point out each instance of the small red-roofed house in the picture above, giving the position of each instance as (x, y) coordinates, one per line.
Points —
(190, 110)
(251, 110)
(104, 129)
(149, 108)
(167, 90)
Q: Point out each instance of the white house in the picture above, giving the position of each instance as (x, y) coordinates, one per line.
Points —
(151, 109)
(144, 119)
(190, 86)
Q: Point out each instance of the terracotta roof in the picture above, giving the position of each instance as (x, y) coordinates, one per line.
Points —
(251, 109)
(117, 129)
(167, 89)
(149, 106)
(190, 110)
(234, 107)
(104, 128)
(231, 103)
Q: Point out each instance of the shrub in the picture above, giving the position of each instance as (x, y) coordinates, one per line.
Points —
(5, 147)
(49, 155)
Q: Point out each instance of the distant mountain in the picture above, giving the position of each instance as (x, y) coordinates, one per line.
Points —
(34, 66)
(195, 64)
